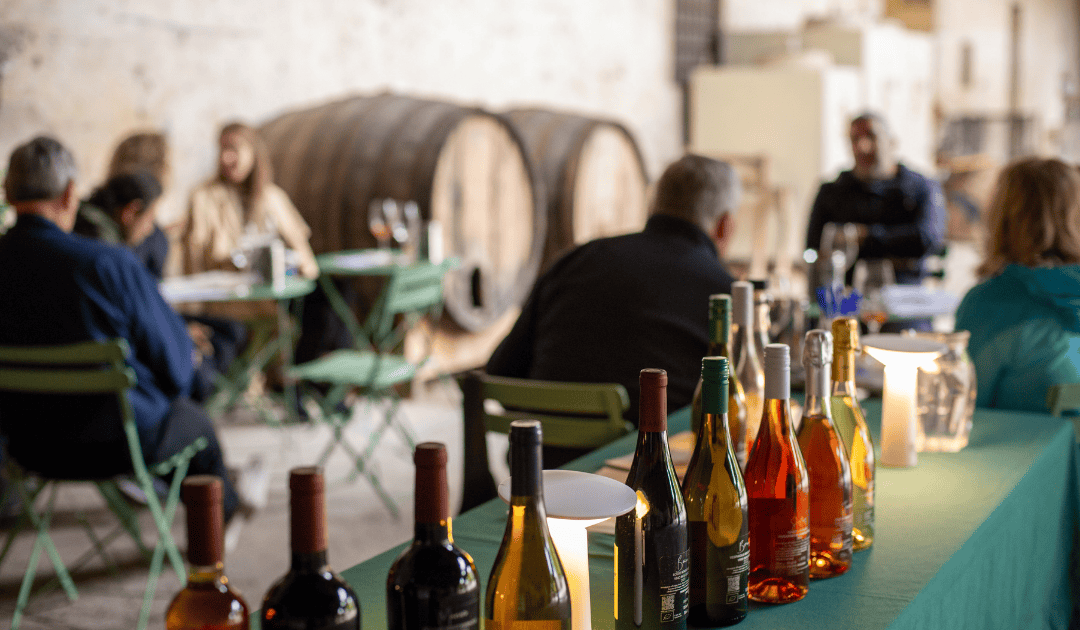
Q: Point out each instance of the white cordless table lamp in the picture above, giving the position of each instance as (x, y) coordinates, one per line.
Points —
(575, 500)
(902, 356)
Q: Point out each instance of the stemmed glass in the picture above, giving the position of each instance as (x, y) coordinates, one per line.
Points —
(377, 223)
(870, 279)
(393, 213)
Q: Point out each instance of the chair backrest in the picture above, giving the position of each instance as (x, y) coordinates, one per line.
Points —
(411, 291)
(90, 367)
(1062, 398)
(583, 415)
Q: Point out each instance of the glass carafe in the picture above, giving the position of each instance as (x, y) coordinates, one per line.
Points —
(946, 395)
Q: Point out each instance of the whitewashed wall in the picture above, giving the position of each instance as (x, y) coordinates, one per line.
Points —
(90, 71)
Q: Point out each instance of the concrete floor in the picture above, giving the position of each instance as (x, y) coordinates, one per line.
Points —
(360, 526)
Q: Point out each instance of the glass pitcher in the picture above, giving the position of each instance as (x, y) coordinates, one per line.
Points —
(946, 395)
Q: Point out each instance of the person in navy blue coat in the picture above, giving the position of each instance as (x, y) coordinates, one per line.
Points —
(58, 287)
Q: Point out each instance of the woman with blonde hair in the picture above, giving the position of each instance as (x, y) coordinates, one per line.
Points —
(1024, 316)
(241, 202)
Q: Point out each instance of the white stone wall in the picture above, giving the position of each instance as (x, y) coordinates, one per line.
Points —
(90, 71)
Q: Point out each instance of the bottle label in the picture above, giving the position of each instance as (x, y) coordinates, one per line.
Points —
(453, 611)
(541, 624)
(734, 561)
(344, 619)
(791, 552)
(674, 586)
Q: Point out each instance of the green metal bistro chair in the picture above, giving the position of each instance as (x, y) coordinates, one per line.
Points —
(94, 367)
(579, 415)
(377, 365)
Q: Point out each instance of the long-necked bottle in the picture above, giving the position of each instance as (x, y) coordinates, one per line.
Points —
(762, 317)
(207, 602)
(716, 511)
(433, 584)
(747, 367)
(527, 588)
(826, 464)
(652, 561)
(778, 494)
(720, 346)
(851, 424)
(311, 596)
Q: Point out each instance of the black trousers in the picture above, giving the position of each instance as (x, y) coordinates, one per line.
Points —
(185, 423)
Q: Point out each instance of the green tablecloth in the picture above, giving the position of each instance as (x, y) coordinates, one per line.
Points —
(984, 538)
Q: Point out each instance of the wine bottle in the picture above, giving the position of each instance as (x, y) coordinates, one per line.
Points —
(720, 346)
(851, 424)
(311, 596)
(717, 523)
(762, 317)
(777, 491)
(826, 465)
(527, 589)
(207, 602)
(747, 367)
(652, 560)
(433, 584)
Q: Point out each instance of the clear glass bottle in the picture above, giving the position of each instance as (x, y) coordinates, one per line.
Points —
(207, 602)
(826, 464)
(527, 589)
(311, 595)
(851, 425)
(433, 583)
(762, 317)
(946, 395)
(716, 511)
(778, 495)
(747, 367)
(720, 346)
(652, 560)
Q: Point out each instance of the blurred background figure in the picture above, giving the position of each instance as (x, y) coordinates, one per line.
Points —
(1024, 316)
(122, 211)
(242, 202)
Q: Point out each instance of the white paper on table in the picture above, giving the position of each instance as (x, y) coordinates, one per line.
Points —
(209, 285)
(366, 259)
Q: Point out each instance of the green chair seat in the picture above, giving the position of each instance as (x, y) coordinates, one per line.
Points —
(376, 371)
(93, 367)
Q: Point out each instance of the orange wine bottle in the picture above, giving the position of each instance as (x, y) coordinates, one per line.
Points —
(826, 463)
(720, 346)
(207, 602)
(851, 424)
(778, 494)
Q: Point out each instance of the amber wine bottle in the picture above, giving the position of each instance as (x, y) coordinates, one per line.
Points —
(715, 499)
(433, 584)
(720, 346)
(311, 596)
(747, 366)
(777, 491)
(851, 424)
(652, 562)
(207, 602)
(826, 463)
(527, 589)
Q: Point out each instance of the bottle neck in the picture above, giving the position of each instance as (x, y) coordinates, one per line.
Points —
(526, 483)
(433, 533)
(843, 365)
(818, 386)
(206, 573)
(310, 562)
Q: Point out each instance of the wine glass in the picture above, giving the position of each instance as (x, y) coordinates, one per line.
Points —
(870, 279)
(398, 230)
(377, 223)
(411, 212)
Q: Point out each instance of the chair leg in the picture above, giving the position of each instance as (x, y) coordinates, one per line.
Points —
(129, 520)
(42, 541)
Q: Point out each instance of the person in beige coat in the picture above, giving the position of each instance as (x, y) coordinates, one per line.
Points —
(242, 201)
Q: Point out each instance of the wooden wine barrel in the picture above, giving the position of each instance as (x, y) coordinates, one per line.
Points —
(464, 167)
(593, 172)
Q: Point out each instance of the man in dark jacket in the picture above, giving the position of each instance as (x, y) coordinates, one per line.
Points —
(56, 287)
(616, 305)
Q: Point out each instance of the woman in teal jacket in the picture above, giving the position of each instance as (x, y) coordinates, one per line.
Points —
(1024, 317)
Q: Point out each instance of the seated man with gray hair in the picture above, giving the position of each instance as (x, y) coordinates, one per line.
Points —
(616, 305)
(55, 288)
